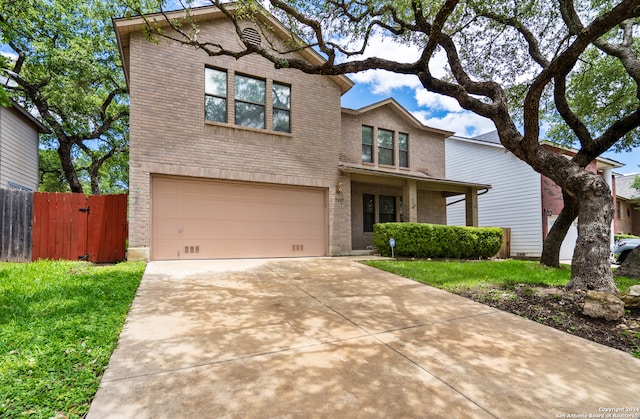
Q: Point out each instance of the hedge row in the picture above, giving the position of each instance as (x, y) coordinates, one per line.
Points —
(618, 237)
(437, 241)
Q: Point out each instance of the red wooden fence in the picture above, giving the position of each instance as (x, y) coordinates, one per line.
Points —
(72, 226)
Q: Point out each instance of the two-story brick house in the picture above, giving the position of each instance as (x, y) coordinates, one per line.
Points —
(234, 158)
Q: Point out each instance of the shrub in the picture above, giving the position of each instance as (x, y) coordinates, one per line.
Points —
(618, 237)
(437, 241)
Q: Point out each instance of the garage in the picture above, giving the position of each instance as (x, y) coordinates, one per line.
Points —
(211, 219)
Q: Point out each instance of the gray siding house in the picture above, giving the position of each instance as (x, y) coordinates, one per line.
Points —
(520, 198)
(19, 132)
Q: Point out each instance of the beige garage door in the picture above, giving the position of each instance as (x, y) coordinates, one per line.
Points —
(204, 219)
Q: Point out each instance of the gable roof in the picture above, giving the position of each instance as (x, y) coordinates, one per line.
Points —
(489, 137)
(624, 189)
(39, 126)
(127, 25)
(397, 108)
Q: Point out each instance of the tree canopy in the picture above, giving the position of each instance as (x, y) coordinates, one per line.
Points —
(572, 65)
(67, 73)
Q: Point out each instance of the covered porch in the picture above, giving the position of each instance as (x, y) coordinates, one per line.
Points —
(379, 196)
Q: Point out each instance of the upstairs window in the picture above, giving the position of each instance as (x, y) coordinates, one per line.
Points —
(385, 147)
(215, 101)
(367, 144)
(403, 150)
(250, 102)
(281, 107)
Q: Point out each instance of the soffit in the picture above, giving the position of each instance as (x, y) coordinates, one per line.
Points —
(424, 182)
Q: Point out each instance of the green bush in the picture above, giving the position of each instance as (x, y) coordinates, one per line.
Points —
(437, 241)
(617, 237)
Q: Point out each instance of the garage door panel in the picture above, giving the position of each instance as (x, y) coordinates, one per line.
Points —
(251, 230)
(201, 219)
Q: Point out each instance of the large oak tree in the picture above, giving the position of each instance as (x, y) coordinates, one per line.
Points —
(67, 73)
(515, 63)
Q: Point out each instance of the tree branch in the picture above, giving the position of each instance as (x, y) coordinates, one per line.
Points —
(529, 37)
(562, 64)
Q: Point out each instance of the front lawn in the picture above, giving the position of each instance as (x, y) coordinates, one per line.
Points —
(527, 289)
(59, 324)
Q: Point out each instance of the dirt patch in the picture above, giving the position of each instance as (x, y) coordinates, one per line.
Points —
(562, 310)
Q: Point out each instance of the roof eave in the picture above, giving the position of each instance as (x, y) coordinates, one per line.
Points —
(453, 184)
(39, 125)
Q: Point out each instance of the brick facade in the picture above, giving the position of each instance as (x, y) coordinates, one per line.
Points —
(426, 157)
(169, 134)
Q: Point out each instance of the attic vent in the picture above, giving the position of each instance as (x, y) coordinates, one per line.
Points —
(252, 36)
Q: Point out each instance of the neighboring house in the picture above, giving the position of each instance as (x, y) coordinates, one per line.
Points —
(520, 198)
(627, 218)
(234, 158)
(19, 132)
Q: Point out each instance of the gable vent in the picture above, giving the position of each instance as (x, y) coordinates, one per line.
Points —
(252, 36)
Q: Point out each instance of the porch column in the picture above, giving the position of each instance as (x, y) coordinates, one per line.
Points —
(410, 201)
(471, 207)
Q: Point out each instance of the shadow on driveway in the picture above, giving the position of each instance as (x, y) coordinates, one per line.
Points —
(330, 337)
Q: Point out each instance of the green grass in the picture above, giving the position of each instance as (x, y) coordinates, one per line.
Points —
(59, 324)
(456, 275)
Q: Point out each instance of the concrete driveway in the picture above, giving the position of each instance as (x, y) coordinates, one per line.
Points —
(330, 337)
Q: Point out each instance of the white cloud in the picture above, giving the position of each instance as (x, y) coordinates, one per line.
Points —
(436, 102)
(463, 123)
(383, 82)
(436, 111)
(11, 55)
(385, 47)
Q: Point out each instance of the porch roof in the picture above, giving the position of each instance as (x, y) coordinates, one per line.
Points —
(446, 186)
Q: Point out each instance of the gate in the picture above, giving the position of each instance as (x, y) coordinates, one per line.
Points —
(73, 227)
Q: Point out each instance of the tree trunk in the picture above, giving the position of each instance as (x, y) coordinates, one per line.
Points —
(553, 242)
(64, 151)
(591, 268)
(94, 174)
(95, 184)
